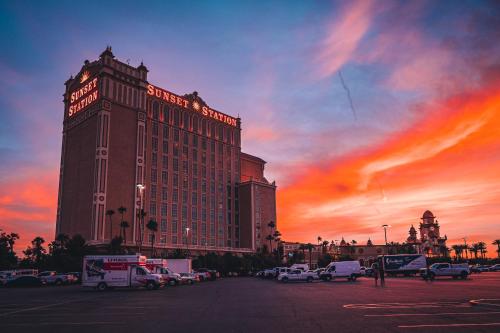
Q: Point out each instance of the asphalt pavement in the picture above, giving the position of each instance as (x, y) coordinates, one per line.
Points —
(255, 305)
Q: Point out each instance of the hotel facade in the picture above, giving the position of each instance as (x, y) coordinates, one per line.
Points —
(128, 143)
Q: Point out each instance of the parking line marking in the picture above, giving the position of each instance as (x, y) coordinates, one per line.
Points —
(69, 323)
(431, 314)
(449, 325)
(44, 306)
(405, 305)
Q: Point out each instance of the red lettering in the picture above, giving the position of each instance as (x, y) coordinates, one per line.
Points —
(151, 89)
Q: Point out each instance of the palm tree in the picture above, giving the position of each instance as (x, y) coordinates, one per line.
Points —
(474, 248)
(271, 224)
(458, 251)
(152, 226)
(482, 248)
(324, 245)
(309, 248)
(110, 213)
(497, 243)
(319, 239)
(303, 247)
(270, 238)
(124, 225)
(122, 210)
(141, 214)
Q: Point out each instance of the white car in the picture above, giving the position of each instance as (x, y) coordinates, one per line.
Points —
(297, 275)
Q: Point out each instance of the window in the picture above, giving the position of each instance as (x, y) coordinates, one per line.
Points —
(154, 175)
(164, 161)
(175, 196)
(155, 128)
(176, 180)
(195, 140)
(164, 177)
(184, 196)
(152, 208)
(185, 151)
(164, 193)
(176, 121)
(194, 213)
(195, 155)
(163, 209)
(195, 184)
(185, 166)
(174, 210)
(176, 135)
(174, 227)
(156, 107)
(204, 215)
(194, 199)
(204, 144)
(184, 212)
(154, 144)
(154, 158)
(186, 138)
(195, 169)
(165, 114)
(165, 146)
(153, 191)
(174, 239)
(165, 132)
(204, 186)
(176, 164)
(176, 150)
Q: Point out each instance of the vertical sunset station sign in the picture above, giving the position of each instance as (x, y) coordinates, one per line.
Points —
(195, 106)
(83, 96)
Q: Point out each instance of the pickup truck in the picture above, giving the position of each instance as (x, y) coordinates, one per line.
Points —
(445, 269)
(297, 275)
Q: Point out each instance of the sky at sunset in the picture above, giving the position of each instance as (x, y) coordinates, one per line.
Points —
(367, 112)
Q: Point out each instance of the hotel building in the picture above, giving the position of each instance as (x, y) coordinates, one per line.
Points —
(128, 143)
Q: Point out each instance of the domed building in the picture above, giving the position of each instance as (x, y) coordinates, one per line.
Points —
(430, 242)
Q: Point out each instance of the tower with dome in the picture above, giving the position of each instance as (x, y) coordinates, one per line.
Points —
(430, 242)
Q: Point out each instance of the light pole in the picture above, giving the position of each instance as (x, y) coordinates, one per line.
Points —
(466, 252)
(141, 188)
(187, 241)
(385, 226)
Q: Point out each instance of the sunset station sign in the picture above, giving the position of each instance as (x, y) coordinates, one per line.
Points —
(194, 106)
(83, 97)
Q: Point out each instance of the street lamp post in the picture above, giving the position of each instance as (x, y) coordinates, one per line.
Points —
(385, 226)
(466, 251)
(141, 188)
(187, 241)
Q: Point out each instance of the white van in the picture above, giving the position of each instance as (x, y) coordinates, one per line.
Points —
(302, 267)
(107, 271)
(344, 269)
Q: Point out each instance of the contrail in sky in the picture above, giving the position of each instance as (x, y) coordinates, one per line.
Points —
(348, 95)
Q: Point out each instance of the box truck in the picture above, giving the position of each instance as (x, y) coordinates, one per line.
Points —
(180, 265)
(128, 271)
(406, 264)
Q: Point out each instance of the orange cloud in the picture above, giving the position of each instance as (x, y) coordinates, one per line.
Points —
(28, 206)
(446, 162)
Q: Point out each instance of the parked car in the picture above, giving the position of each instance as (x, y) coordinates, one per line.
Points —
(24, 281)
(445, 269)
(212, 274)
(188, 278)
(304, 267)
(297, 275)
(52, 277)
(77, 277)
(494, 268)
(342, 269)
(479, 268)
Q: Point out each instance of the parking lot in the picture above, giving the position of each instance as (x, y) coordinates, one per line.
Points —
(252, 304)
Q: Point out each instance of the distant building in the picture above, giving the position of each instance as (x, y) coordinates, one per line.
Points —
(430, 242)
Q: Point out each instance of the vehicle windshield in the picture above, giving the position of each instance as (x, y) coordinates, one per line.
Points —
(147, 271)
(435, 266)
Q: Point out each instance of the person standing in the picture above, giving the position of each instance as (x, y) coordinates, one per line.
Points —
(375, 274)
